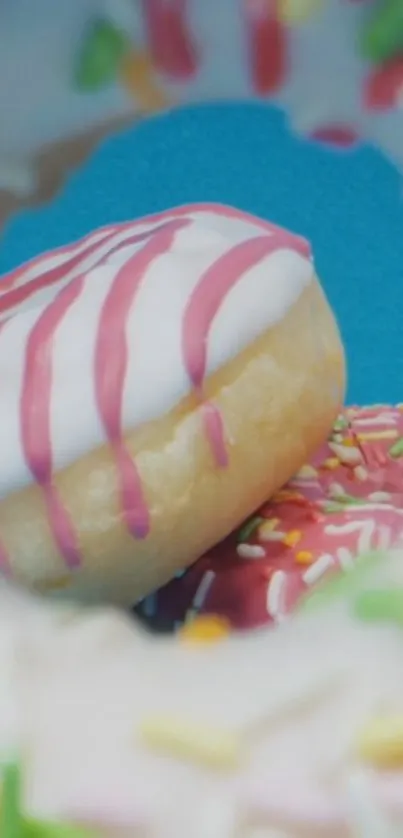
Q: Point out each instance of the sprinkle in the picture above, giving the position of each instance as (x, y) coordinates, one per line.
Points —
(250, 551)
(381, 743)
(304, 557)
(318, 569)
(203, 589)
(209, 747)
(361, 473)
(380, 605)
(205, 629)
(292, 538)
(272, 535)
(288, 496)
(347, 456)
(396, 450)
(331, 463)
(296, 12)
(137, 76)
(345, 558)
(249, 528)
(101, 54)
(373, 436)
(382, 37)
(275, 595)
(307, 472)
(380, 497)
(57, 584)
(339, 136)
(11, 819)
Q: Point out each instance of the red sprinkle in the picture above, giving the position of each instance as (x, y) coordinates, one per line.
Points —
(171, 44)
(267, 46)
(384, 86)
(340, 136)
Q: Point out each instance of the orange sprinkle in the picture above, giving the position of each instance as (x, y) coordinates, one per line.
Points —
(137, 76)
(205, 629)
(331, 463)
(285, 495)
(292, 538)
(304, 557)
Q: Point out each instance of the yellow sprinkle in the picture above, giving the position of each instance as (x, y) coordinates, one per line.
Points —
(209, 747)
(331, 463)
(376, 435)
(304, 557)
(348, 442)
(285, 495)
(267, 527)
(306, 473)
(295, 12)
(57, 584)
(205, 629)
(381, 743)
(292, 538)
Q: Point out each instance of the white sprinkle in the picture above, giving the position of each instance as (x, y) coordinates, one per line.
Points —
(275, 596)
(250, 551)
(347, 455)
(380, 497)
(271, 535)
(361, 473)
(376, 421)
(203, 589)
(345, 558)
(336, 490)
(318, 568)
(384, 537)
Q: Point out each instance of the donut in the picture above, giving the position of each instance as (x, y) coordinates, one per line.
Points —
(160, 379)
(348, 499)
(106, 730)
(95, 66)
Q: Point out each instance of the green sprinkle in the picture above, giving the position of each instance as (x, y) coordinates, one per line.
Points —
(382, 37)
(380, 606)
(248, 529)
(101, 55)
(11, 820)
(342, 586)
(340, 424)
(341, 501)
(397, 448)
(45, 829)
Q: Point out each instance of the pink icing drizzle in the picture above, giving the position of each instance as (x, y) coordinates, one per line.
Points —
(36, 416)
(204, 304)
(171, 44)
(111, 368)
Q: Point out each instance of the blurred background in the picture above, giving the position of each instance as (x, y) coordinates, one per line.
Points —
(348, 204)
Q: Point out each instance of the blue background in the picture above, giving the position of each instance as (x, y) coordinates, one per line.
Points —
(349, 205)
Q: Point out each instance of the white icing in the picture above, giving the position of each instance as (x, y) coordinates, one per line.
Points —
(156, 378)
(39, 52)
(297, 697)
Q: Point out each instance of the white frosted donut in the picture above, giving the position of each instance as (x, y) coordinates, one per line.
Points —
(159, 379)
(290, 732)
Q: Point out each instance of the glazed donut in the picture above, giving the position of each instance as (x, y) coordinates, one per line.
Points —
(160, 379)
(347, 500)
(294, 731)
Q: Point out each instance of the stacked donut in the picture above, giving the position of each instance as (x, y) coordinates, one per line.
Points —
(160, 379)
(347, 500)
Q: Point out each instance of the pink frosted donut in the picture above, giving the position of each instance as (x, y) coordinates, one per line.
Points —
(346, 501)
